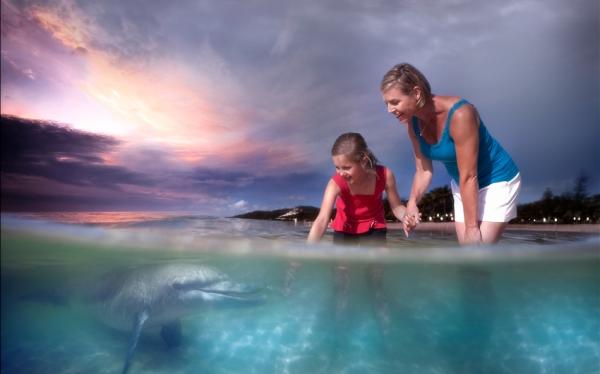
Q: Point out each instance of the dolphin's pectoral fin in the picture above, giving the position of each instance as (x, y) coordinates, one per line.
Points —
(138, 323)
(171, 333)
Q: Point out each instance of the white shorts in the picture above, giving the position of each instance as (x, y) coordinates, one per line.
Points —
(497, 202)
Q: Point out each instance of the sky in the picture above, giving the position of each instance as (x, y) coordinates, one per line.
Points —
(223, 107)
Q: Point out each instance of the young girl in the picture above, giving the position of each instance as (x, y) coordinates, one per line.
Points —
(356, 189)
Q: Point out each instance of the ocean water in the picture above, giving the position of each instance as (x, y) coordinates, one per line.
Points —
(530, 304)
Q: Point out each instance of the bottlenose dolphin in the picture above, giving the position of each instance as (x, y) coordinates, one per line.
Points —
(158, 296)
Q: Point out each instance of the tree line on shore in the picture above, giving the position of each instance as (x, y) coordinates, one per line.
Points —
(574, 206)
(571, 207)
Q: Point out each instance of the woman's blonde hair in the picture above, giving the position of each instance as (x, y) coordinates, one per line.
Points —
(354, 146)
(406, 77)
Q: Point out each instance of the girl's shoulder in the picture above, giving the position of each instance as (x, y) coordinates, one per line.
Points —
(340, 182)
(382, 175)
(382, 169)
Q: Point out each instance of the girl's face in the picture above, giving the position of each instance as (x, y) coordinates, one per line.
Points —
(351, 171)
(401, 105)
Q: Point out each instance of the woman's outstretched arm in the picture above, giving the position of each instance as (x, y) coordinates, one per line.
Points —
(422, 178)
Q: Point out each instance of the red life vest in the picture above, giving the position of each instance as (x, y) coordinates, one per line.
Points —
(357, 214)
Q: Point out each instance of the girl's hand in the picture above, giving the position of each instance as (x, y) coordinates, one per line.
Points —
(408, 224)
(413, 210)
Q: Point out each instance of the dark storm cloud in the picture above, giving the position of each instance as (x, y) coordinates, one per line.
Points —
(56, 152)
(26, 140)
(19, 201)
(49, 166)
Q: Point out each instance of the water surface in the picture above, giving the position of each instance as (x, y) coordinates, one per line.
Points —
(528, 305)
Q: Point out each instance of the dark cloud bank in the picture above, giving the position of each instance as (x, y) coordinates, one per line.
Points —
(47, 166)
(40, 157)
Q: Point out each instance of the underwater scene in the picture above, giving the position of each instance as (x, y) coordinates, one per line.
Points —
(190, 294)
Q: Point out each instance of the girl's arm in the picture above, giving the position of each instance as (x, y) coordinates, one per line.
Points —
(391, 191)
(422, 178)
(465, 132)
(322, 221)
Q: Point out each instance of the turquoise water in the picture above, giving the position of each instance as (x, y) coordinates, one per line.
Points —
(528, 305)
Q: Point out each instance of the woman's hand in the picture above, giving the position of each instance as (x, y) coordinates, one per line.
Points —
(472, 236)
(411, 218)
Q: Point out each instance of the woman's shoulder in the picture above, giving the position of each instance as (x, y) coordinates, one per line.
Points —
(461, 108)
(445, 102)
(464, 119)
(465, 112)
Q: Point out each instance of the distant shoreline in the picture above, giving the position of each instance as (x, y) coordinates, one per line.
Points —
(307, 215)
(449, 227)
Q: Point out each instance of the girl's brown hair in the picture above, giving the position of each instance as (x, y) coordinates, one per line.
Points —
(354, 146)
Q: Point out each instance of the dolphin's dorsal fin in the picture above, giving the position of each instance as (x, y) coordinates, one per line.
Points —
(138, 323)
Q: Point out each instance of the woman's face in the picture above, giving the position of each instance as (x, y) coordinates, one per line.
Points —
(351, 171)
(401, 105)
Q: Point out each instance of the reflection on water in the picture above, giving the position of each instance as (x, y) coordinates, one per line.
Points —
(514, 308)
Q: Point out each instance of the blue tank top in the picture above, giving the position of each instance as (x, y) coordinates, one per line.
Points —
(493, 163)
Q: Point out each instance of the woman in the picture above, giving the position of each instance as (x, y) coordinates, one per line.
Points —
(485, 180)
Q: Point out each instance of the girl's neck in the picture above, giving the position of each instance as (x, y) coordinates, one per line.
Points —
(365, 184)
